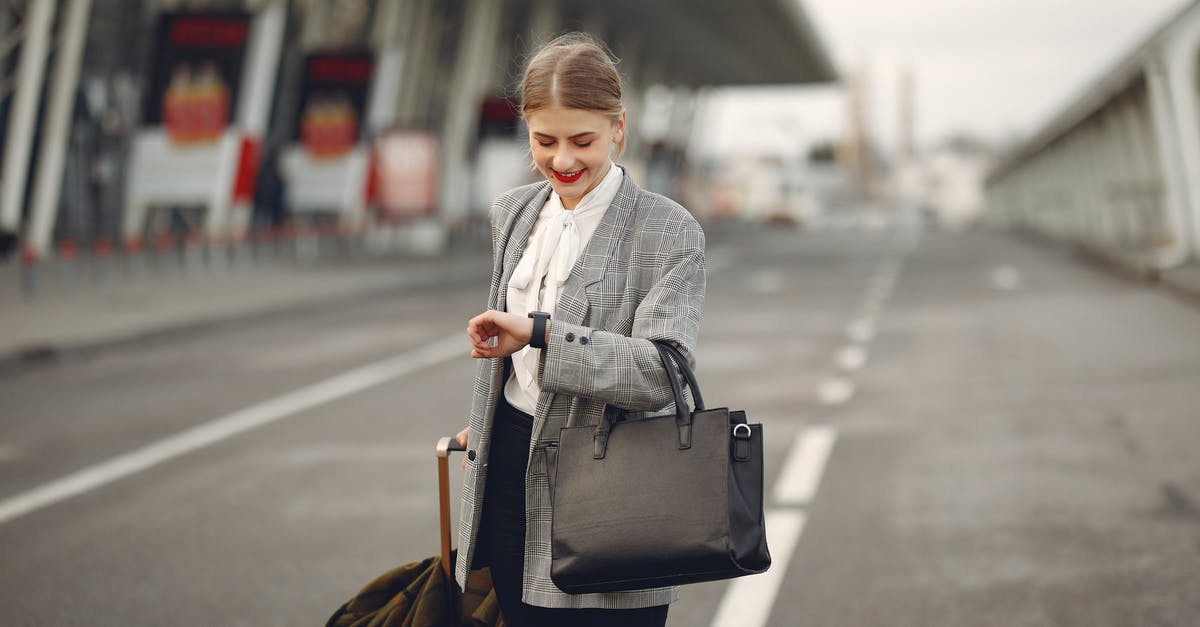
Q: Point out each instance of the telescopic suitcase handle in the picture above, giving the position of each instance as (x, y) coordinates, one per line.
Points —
(444, 448)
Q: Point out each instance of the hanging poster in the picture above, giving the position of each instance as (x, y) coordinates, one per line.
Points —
(333, 102)
(196, 73)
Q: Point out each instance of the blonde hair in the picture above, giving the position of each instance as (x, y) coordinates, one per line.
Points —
(576, 71)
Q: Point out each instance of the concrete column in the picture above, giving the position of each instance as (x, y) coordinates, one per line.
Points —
(47, 183)
(473, 66)
(1085, 215)
(545, 19)
(1183, 78)
(262, 58)
(23, 112)
(254, 108)
(1149, 167)
(1113, 174)
(633, 94)
(1097, 202)
(420, 61)
(1134, 162)
(1175, 199)
(390, 36)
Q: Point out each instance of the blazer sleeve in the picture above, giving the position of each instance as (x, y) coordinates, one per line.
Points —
(627, 372)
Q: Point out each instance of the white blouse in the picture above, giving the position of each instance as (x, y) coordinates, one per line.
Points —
(557, 238)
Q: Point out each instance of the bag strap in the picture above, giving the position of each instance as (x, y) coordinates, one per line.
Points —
(685, 370)
(683, 417)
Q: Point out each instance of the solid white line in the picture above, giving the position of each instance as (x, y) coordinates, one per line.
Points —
(230, 425)
(748, 600)
(801, 475)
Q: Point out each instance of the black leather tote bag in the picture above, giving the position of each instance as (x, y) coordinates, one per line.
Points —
(658, 501)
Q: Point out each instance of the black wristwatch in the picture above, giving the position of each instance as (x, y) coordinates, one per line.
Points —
(538, 339)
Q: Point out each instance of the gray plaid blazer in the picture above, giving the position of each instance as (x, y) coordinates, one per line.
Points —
(640, 278)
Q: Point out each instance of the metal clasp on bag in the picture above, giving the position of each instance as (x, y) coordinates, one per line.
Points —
(741, 442)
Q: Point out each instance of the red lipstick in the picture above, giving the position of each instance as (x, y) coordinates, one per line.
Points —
(567, 179)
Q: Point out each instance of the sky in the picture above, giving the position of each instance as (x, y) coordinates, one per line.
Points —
(995, 69)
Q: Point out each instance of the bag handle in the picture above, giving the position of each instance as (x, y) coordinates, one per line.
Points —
(684, 369)
(683, 417)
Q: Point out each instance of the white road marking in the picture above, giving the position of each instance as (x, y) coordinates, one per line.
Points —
(801, 475)
(871, 308)
(1005, 278)
(851, 357)
(835, 390)
(230, 425)
(766, 282)
(748, 600)
(861, 330)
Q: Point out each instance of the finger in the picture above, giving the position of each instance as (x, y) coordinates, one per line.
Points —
(478, 338)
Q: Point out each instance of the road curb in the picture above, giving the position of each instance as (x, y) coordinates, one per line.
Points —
(40, 355)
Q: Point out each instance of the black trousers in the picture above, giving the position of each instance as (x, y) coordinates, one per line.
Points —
(502, 536)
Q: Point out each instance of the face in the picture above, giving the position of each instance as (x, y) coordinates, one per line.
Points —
(572, 148)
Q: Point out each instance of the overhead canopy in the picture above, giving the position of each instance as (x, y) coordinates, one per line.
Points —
(714, 42)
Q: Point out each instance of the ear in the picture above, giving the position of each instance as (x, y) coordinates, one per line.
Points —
(619, 127)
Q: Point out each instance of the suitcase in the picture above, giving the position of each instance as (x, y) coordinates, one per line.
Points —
(445, 446)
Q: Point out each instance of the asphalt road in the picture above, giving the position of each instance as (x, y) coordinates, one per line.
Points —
(962, 429)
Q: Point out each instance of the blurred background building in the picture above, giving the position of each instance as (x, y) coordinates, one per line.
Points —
(1117, 171)
(192, 127)
(154, 124)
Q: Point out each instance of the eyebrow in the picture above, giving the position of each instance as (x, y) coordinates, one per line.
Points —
(575, 136)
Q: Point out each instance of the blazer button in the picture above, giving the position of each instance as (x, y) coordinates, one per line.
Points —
(471, 455)
(570, 337)
(583, 340)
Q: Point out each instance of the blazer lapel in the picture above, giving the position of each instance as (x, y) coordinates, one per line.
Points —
(572, 305)
(517, 229)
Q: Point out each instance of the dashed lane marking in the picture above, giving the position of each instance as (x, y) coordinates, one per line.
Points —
(766, 282)
(230, 425)
(748, 600)
(835, 390)
(861, 330)
(801, 475)
(1005, 278)
(852, 357)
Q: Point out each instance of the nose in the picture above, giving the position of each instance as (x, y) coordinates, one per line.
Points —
(563, 160)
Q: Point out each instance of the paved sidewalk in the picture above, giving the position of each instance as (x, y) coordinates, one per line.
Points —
(63, 319)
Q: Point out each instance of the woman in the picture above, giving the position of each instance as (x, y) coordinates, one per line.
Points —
(588, 270)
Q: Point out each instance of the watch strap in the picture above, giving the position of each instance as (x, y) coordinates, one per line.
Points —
(538, 338)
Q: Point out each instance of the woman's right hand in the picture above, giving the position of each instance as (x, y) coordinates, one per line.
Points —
(462, 441)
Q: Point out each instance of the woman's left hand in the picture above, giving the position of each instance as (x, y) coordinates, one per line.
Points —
(512, 333)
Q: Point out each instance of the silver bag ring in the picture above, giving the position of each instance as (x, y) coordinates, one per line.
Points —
(741, 425)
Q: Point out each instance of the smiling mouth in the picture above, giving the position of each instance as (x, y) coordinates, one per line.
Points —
(568, 177)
